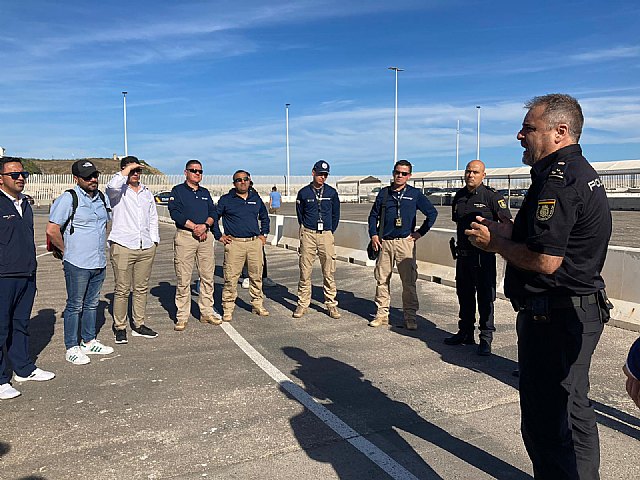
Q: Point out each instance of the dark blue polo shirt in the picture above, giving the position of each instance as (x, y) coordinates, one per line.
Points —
(240, 217)
(308, 201)
(17, 248)
(195, 205)
(403, 204)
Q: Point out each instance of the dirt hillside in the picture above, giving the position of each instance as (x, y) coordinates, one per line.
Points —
(106, 166)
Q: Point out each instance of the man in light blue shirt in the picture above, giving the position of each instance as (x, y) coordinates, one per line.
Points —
(275, 200)
(82, 242)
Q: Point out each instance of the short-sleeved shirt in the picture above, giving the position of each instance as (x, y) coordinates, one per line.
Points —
(467, 205)
(86, 246)
(275, 198)
(314, 206)
(565, 214)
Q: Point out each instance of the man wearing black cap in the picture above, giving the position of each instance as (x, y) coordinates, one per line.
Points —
(318, 211)
(83, 214)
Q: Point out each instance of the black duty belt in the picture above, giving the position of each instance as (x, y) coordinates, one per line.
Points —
(554, 302)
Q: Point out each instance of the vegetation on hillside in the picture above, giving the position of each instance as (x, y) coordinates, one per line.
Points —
(106, 166)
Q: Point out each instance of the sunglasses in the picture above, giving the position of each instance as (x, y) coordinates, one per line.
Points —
(194, 170)
(241, 179)
(322, 174)
(404, 174)
(89, 177)
(16, 175)
(136, 171)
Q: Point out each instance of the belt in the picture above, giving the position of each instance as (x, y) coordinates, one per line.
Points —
(315, 231)
(243, 239)
(554, 302)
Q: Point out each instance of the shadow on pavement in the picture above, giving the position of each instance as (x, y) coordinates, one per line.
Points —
(4, 448)
(345, 392)
(500, 368)
(41, 330)
(165, 292)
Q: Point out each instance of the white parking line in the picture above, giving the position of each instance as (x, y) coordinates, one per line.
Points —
(43, 254)
(377, 456)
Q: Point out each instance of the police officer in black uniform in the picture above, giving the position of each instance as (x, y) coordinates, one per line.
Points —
(555, 253)
(475, 269)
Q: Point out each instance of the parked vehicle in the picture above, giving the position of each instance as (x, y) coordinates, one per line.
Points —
(371, 196)
(29, 199)
(162, 198)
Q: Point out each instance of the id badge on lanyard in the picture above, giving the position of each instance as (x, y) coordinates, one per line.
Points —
(398, 215)
(318, 200)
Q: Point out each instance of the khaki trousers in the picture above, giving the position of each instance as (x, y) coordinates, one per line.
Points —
(186, 250)
(131, 271)
(402, 252)
(236, 254)
(321, 245)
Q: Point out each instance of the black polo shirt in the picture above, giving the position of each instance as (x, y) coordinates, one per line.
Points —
(467, 205)
(566, 214)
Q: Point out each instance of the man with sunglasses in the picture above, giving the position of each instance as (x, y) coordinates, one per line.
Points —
(84, 258)
(397, 245)
(17, 278)
(133, 240)
(318, 211)
(246, 225)
(191, 208)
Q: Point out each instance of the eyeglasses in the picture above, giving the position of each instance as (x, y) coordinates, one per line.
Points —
(241, 179)
(194, 170)
(89, 177)
(398, 172)
(16, 175)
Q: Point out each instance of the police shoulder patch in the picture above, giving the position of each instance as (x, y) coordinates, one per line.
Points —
(502, 203)
(545, 210)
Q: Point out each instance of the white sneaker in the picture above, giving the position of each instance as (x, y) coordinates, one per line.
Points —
(75, 356)
(37, 375)
(245, 283)
(7, 392)
(94, 347)
(267, 282)
(216, 314)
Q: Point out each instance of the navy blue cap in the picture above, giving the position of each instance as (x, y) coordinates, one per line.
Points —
(321, 166)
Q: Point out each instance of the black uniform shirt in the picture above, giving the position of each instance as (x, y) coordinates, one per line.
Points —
(565, 213)
(466, 206)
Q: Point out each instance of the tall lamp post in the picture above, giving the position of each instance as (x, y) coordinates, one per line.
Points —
(126, 147)
(395, 117)
(478, 139)
(457, 144)
(286, 116)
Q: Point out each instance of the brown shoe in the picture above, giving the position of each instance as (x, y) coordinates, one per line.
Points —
(379, 321)
(410, 323)
(263, 312)
(333, 312)
(211, 320)
(300, 311)
(227, 316)
(180, 326)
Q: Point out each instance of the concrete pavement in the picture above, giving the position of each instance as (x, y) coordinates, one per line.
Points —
(194, 404)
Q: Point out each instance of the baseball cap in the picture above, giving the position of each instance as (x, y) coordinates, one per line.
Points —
(83, 168)
(321, 167)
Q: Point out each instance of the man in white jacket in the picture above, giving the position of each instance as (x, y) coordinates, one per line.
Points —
(133, 240)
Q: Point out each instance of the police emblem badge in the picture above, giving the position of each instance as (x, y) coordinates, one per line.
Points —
(545, 209)
(502, 203)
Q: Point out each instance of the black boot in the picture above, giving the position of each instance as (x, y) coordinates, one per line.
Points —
(459, 338)
(484, 348)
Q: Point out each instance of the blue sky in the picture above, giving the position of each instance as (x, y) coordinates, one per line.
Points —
(209, 79)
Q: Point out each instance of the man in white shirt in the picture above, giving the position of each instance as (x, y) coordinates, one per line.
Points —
(133, 240)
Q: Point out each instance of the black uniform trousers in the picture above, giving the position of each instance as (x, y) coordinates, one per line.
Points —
(476, 275)
(558, 421)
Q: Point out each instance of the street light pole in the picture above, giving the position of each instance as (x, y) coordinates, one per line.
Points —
(395, 118)
(286, 109)
(457, 144)
(478, 140)
(126, 147)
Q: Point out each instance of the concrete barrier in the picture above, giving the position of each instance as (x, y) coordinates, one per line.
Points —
(621, 269)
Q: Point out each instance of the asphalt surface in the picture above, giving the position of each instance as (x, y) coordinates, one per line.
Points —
(193, 404)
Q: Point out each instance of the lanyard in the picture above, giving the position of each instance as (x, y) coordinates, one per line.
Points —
(318, 193)
(398, 200)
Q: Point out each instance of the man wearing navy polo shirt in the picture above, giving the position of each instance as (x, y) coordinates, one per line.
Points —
(246, 225)
(84, 259)
(318, 211)
(17, 278)
(193, 211)
(632, 371)
(397, 244)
